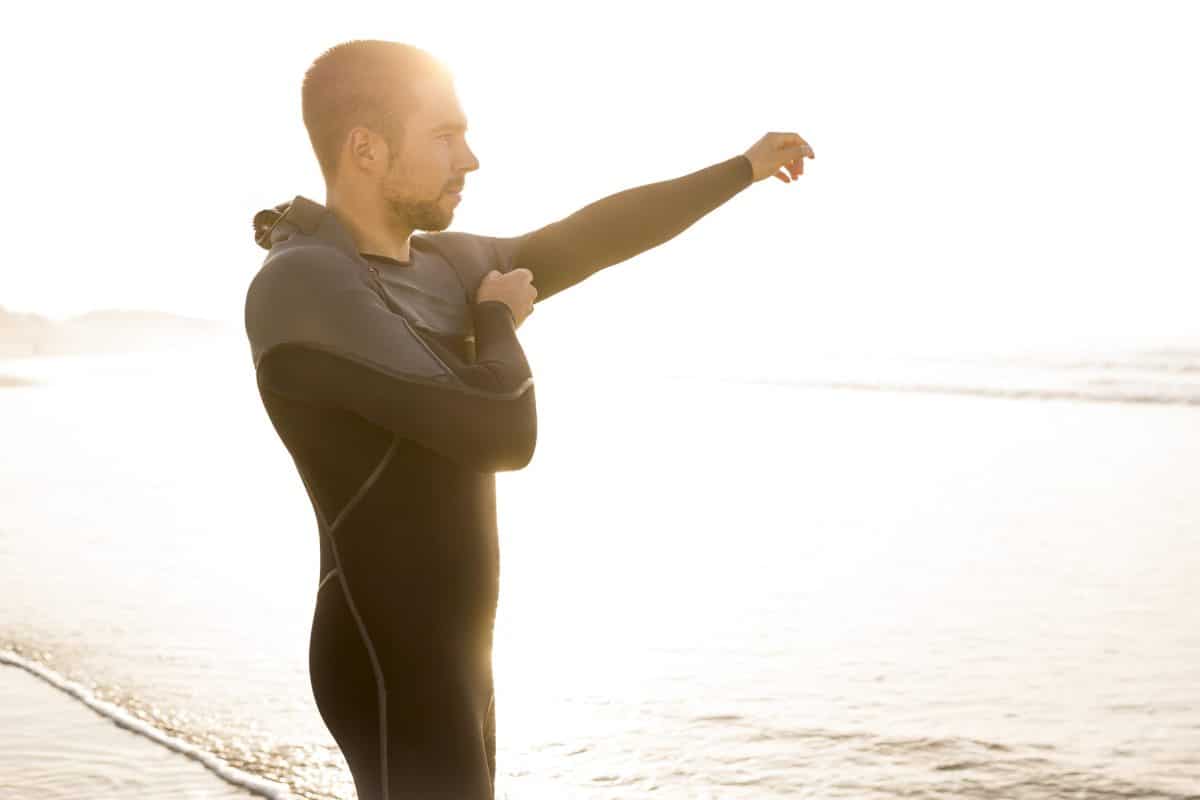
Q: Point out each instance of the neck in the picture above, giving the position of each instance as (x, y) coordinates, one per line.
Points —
(370, 223)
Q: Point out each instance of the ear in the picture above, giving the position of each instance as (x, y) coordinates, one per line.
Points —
(366, 150)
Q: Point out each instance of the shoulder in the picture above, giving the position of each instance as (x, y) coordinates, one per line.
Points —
(308, 292)
(305, 276)
(471, 255)
(308, 266)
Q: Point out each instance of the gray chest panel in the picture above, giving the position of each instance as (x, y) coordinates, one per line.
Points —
(431, 296)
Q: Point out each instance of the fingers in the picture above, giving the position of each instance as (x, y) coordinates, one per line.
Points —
(790, 140)
(519, 271)
(795, 168)
(793, 141)
(799, 151)
(794, 163)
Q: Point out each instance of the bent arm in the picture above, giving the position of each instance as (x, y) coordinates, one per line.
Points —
(618, 227)
(487, 423)
(321, 335)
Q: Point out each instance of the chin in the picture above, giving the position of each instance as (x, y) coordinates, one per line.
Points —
(433, 220)
(438, 225)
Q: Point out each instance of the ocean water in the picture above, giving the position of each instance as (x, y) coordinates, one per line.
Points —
(936, 578)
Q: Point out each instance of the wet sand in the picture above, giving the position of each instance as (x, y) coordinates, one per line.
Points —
(54, 747)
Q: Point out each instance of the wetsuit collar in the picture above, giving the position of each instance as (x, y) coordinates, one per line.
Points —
(307, 217)
(304, 217)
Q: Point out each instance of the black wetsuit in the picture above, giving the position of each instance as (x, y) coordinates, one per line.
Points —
(398, 398)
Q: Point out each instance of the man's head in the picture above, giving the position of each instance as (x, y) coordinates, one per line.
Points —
(386, 126)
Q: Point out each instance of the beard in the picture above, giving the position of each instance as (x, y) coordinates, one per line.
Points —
(418, 214)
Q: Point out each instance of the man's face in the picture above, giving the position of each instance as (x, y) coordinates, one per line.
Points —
(431, 161)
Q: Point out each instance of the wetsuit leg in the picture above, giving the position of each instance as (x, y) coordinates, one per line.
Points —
(401, 644)
(429, 741)
(345, 688)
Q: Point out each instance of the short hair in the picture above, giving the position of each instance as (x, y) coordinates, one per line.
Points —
(363, 82)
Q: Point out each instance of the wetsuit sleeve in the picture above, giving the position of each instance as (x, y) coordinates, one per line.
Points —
(620, 226)
(323, 337)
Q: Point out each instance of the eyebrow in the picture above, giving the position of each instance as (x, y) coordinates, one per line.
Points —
(450, 126)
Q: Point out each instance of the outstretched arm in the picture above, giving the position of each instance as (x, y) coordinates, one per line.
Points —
(620, 226)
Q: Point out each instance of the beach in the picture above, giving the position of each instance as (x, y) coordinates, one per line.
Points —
(708, 590)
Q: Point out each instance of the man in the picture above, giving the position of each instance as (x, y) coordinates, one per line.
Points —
(388, 364)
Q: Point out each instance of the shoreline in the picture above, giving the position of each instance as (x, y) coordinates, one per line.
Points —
(60, 741)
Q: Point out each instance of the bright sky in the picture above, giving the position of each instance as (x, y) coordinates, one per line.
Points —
(987, 174)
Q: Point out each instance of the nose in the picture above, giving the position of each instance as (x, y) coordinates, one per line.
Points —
(472, 163)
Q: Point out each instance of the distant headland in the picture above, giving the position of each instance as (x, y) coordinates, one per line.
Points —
(102, 331)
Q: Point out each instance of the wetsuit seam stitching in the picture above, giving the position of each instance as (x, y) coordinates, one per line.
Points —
(366, 485)
(325, 580)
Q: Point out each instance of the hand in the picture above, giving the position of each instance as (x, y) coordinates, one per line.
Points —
(777, 150)
(514, 288)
